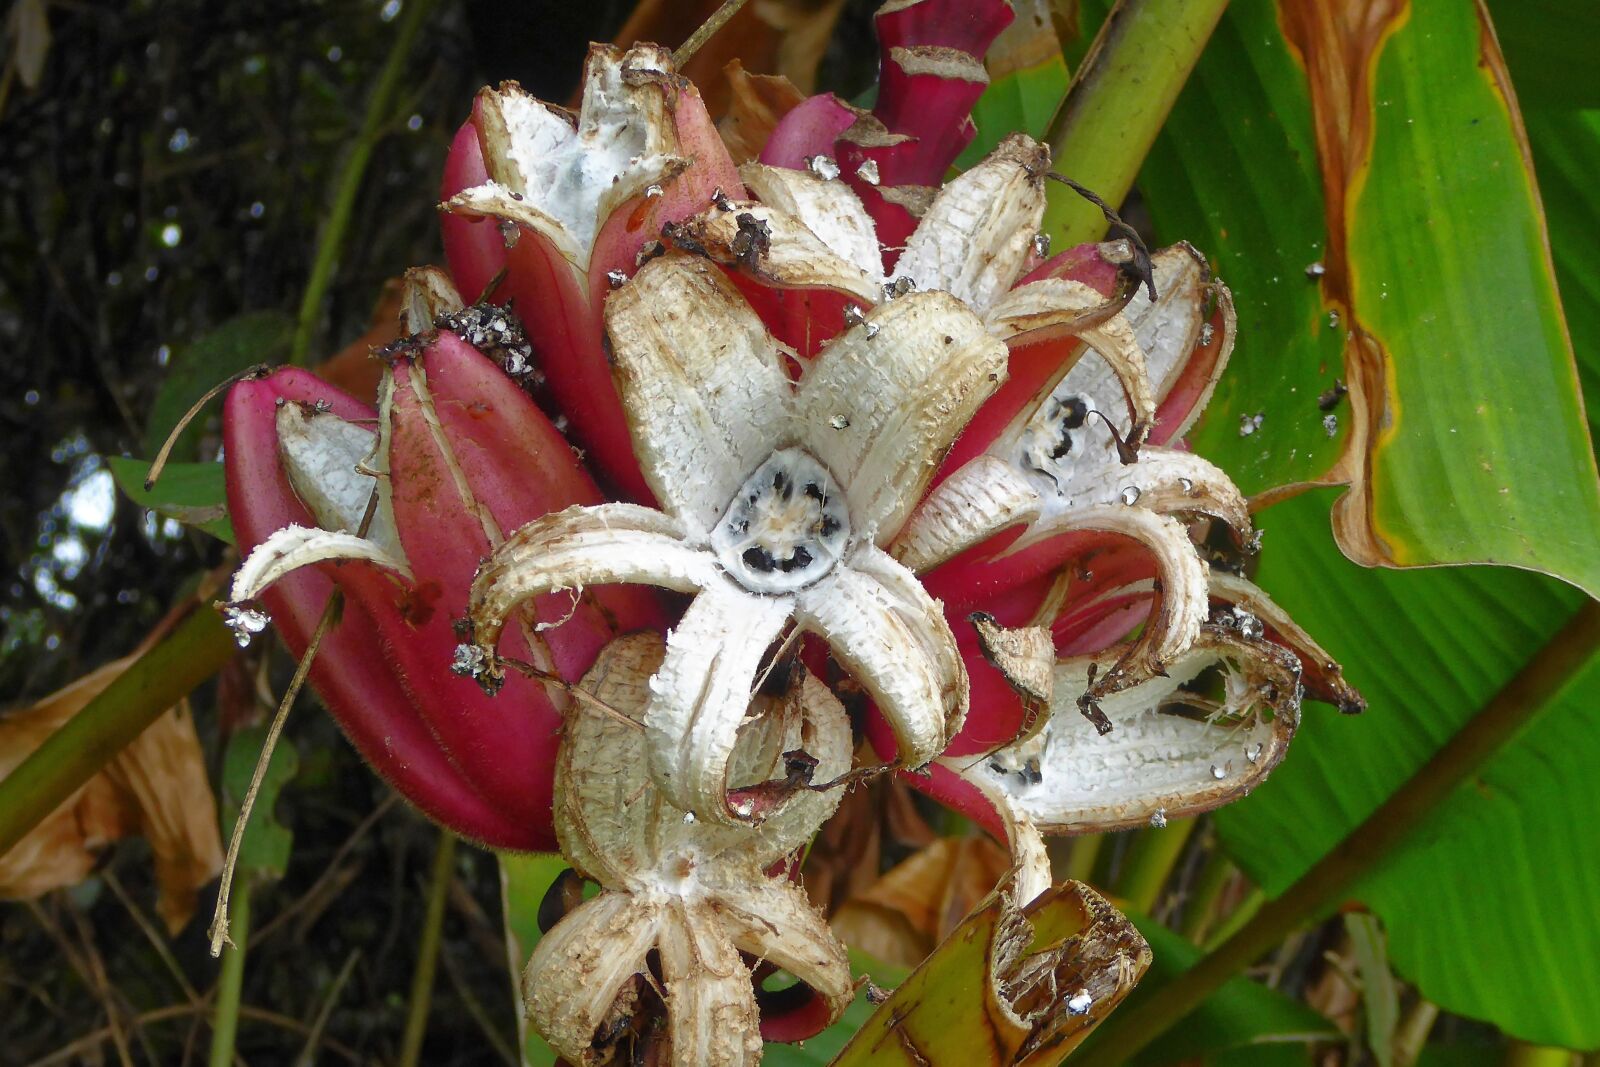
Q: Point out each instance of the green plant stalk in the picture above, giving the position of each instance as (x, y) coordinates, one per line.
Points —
(347, 183)
(444, 860)
(1199, 912)
(1521, 1055)
(1085, 851)
(1149, 862)
(1413, 1032)
(1118, 102)
(1517, 704)
(1246, 910)
(225, 1016)
(194, 651)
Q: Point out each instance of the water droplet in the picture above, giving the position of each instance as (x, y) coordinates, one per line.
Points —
(1041, 245)
(1186, 485)
(1253, 752)
(1208, 333)
(868, 172)
(720, 198)
(853, 316)
(389, 10)
(1119, 251)
(335, 54)
(257, 209)
(414, 123)
(1330, 425)
(1218, 773)
(872, 329)
(899, 287)
(823, 167)
(469, 661)
(1316, 270)
(172, 235)
(1080, 1002)
(616, 279)
(1249, 424)
(179, 141)
(244, 621)
(1333, 319)
(652, 191)
(688, 818)
(1247, 624)
(839, 422)
(1158, 818)
(1130, 495)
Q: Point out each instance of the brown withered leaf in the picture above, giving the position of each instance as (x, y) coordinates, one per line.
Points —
(756, 103)
(847, 856)
(904, 914)
(156, 787)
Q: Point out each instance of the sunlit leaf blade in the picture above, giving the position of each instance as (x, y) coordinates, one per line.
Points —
(191, 493)
(525, 878)
(251, 338)
(1482, 454)
(1489, 904)
(1242, 1015)
(1246, 192)
(1007, 988)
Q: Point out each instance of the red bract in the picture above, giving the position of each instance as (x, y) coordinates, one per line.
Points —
(896, 156)
(567, 210)
(467, 456)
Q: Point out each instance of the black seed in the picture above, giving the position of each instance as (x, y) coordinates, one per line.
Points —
(781, 484)
(1074, 412)
(830, 525)
(1063, 446)
(814, 492)
(759, 559)
(801, 557)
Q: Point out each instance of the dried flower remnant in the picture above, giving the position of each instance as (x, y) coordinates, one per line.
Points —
(697, 896)
(777, 498)
(1077, 457)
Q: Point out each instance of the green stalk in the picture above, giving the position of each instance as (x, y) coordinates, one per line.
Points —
(347, 184)
(225, 1017)
(1118, 102)
(444, 859)
(1520, 1055)
(194, 651)
(1508, 712)
(1150, 859)
(1243, 913)
(1199, 912)
(1085, 851)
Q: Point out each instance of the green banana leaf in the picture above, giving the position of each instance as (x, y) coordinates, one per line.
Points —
(1473, 447)
(1237, 1019)
(1489, 904)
